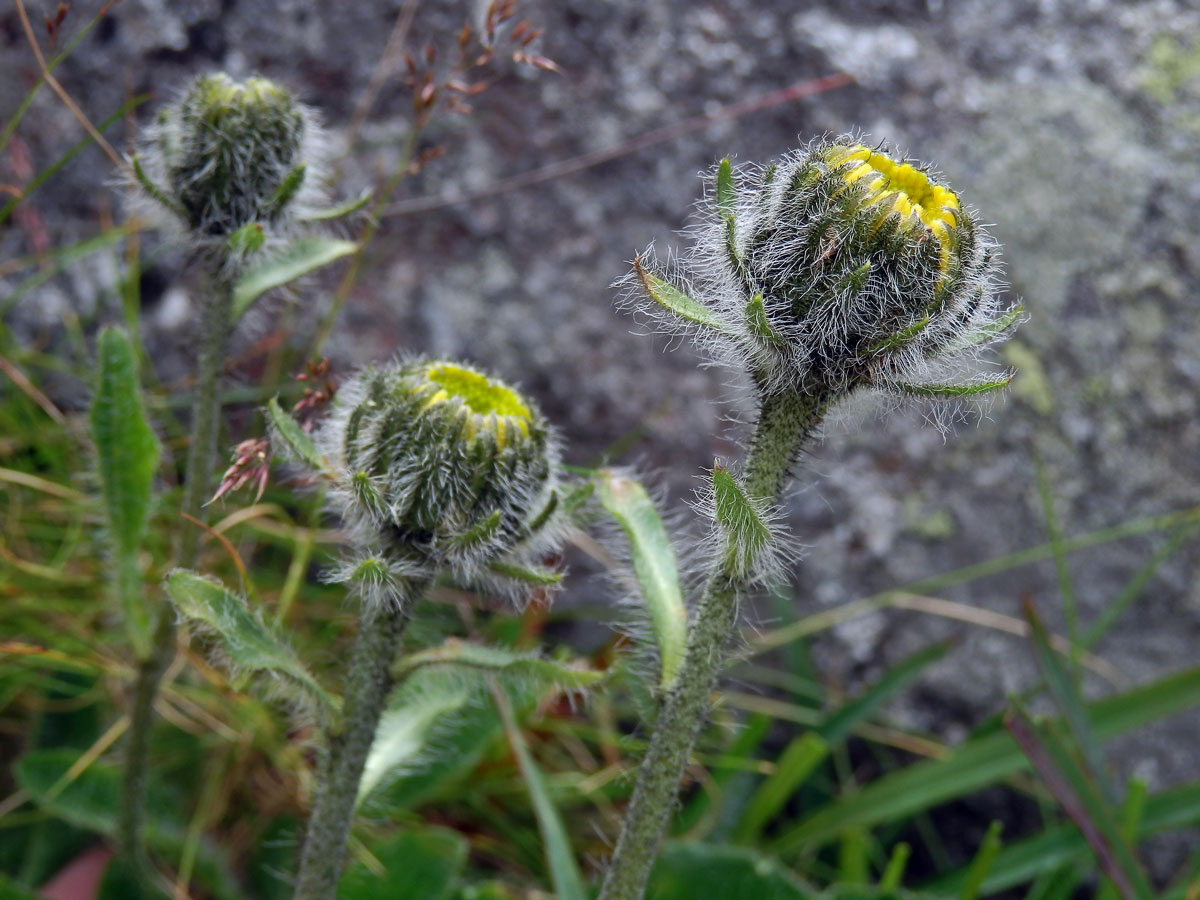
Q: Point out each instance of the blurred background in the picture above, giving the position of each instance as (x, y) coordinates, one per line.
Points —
(1072, 125)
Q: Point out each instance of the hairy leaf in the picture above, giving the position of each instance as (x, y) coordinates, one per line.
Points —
(250, 644)
(296, 259)
(127, 457)
(499, 661)
(655, 565)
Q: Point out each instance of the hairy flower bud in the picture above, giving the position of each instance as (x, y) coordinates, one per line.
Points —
(445, 466)
(229, 154)
(837, 268)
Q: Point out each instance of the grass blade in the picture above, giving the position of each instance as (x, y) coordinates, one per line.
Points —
(1079, 798)
(1065, 691)
(1037, 856)
(564, 870)
(893, 874)
(980, 762)
(982, 862)
(792, 769)
(841, 723)
(1066, 585)
(1130, 593)
(655, 565)
(50, 171)
(127, 457)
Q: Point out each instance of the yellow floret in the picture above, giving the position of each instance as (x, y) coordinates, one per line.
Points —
(905, 189)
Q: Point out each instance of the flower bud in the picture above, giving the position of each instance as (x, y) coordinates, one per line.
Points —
(837, 268)
(442, 464)
(227, 155)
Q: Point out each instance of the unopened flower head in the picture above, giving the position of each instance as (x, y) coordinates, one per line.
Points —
(229, 154)
(841, 266)
(443, 465)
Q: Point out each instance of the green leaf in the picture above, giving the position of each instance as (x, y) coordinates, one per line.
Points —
(499, 661)
(462, 738)
(415, 865)
(439, 683)
(405, 731)
(564, 870)
(297, 441)
(726, 199)
(127, 457)
(1131, 820)
(670, 297)
(949, 390)
(695, 871)
(747, 534)
(980, 762)
(250, 644)
(655, 565)
(792, 770)
(337, 212)
(298, 258)
(465, 726)
(1079, 799)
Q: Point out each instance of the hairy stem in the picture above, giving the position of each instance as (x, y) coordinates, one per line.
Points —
(216, 325)
(368, 684)
(786, 420)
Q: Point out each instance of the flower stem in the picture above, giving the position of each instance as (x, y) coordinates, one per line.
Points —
(216, 325)
(786, 421)
(368, 684)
